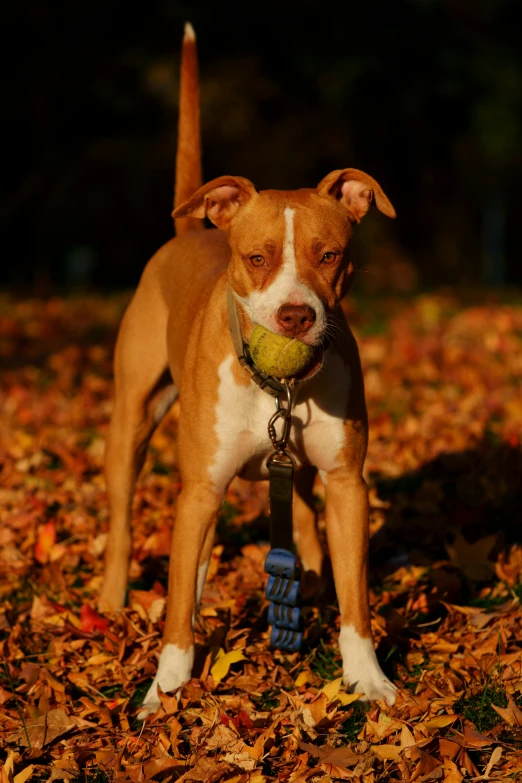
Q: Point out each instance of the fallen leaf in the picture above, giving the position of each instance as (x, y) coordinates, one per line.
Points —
(315, 711)
(7, 770)
(510, 714)
(342, 756)
(451, 772)
(474, 739)
(44, 729)
(45, 540)
(331, 689)
(439, 722)
(92, 621)
(407, 738)
(494, 759)
(302, 679)
(472, 559)
(392, 752)
(223, 663)
(24, 774)
(335, 771)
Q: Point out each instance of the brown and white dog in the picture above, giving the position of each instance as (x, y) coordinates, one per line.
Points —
(285, 256)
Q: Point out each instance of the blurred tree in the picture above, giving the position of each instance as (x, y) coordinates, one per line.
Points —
(423, 94)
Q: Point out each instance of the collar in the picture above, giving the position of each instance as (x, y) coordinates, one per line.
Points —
(268, 383)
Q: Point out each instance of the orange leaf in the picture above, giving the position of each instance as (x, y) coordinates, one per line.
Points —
(511, 714)
(92, 621)
(452, 772)
(336, 771)
(45, 541)
(474, 739)
(392, 752)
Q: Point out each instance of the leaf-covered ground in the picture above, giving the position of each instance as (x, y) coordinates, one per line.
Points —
(444, 390)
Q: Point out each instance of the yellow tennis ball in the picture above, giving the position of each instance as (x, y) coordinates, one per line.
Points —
(276, 355)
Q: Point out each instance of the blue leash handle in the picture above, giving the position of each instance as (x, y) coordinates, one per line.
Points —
(283, 592)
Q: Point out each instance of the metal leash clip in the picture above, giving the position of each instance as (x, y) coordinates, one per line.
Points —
(283, 589)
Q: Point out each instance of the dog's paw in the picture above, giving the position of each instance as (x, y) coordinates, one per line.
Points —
(373, 687)
(361, 670)
(174, 670)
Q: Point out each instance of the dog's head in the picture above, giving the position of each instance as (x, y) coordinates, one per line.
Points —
(290, 264)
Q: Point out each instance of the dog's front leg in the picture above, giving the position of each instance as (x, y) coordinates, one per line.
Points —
(348, 534)
(191, 546)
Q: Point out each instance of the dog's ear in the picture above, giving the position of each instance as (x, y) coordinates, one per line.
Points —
(355, 190)
(218, 200)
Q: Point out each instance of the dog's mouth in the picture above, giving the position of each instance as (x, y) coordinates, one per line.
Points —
(313, 366)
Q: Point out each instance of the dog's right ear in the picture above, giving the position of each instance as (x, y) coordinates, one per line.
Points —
(218, 200)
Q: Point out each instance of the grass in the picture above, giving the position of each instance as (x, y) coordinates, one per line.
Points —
(267, 700)
(139, 694)
(488, 601)
(478, 709)
(94, 775)
(325, 662)
(354, 722)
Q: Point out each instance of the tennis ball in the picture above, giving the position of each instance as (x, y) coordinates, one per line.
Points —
(276, 355)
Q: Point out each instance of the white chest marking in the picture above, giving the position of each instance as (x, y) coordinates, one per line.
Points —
(286, 288)
(242, 415)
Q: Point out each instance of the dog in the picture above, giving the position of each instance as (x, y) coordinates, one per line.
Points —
(285, 257)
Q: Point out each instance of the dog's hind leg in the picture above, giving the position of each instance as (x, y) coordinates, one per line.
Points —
(144, 391)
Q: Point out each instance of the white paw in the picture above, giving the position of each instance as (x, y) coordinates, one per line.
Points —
(361, 670)
(174, 670)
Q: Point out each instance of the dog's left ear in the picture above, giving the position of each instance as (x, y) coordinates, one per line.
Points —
(355, 190)
(218, 200)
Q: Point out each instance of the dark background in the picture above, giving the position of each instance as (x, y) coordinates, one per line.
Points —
(425, 95)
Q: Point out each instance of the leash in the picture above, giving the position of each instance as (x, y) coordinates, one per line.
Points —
(283, 589)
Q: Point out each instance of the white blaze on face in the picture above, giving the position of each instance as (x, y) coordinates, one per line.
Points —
(286, 288)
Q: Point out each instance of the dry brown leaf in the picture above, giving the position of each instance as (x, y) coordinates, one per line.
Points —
(510, 714)
(64, 769)
(474, 739)
(451, 772)
(448, 748)
(315, 711)
(407, 738)
(156, 767)
(383, 727)
(24, 773)
(472, 559)
(7, 769)
(392, 752)
(342, 756)
(426, 762)
(494, 759)
(45, 729)
(464, 761)
(335, 771)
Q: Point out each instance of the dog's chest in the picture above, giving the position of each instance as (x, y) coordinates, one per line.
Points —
(242, 414)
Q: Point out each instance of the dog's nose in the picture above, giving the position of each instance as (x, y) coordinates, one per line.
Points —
(295, 320)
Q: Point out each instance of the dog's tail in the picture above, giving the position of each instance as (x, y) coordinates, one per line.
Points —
(188, 155)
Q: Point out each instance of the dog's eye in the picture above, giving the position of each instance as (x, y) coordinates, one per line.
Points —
(328, 258)
(258, 260)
